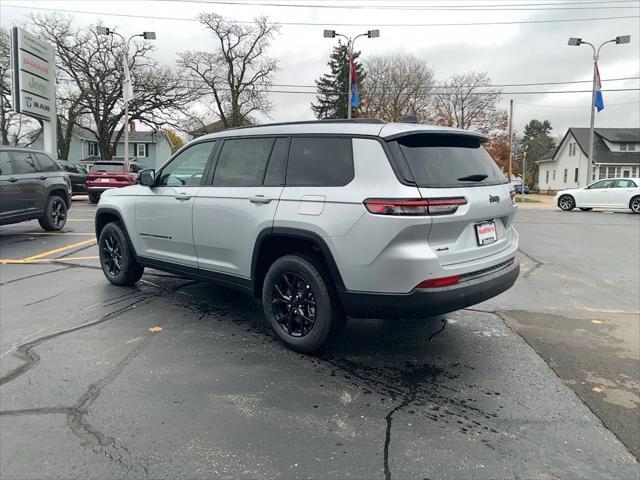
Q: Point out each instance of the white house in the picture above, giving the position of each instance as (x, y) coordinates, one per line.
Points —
(616, 154)
(151, 148)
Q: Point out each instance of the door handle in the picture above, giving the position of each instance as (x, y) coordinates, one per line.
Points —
(260, 199)
(13, 180)
(182, 196)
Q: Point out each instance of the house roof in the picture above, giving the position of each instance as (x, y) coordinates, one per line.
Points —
(601, 151)
(134, 137)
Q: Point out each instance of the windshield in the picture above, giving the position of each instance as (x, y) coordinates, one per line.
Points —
(107, 167)
(449, 161)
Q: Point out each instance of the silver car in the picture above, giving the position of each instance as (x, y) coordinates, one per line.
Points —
(322, 220)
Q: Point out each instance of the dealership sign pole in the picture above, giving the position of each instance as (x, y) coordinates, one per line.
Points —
(33, 86)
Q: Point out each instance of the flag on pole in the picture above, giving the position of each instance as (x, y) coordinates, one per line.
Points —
(127, 87)
(598, 100)
(355, 94)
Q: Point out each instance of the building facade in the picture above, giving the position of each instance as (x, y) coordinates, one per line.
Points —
(616, 154)
(151, 148)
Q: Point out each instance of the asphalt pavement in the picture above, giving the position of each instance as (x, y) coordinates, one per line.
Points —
(176, 378)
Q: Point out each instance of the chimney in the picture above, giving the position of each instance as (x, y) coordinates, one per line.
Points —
(132, 126)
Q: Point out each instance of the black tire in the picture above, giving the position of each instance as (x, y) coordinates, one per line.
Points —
(117, 260)
(566, 203)
(94, 197)
(584, 209)
(55, 214)
(634, 204)
(300, 285)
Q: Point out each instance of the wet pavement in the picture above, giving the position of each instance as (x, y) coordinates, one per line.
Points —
(90, 389)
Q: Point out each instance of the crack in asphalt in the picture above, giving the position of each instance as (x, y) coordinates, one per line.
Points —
(8, 282)
(26, 353)
(43, 299)
(536, 264)
(444, 324)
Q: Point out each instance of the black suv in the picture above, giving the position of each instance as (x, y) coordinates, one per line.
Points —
(33, 186)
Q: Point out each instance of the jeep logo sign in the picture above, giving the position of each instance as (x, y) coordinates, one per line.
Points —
(33, 86)
(494, 199)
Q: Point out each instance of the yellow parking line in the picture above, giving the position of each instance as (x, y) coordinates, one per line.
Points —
(9, 261)
(61, 249)
(58, 234)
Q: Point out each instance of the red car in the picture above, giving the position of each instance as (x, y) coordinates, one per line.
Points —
(110, 174)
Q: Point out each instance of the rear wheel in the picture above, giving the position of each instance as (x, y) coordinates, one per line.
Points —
(584, 209)
(566, 203)
(634, 204)
(55, 214)
(94, 197)
(118, 263)
(300, 304)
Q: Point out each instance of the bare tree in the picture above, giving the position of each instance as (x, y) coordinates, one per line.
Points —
(237, 72)
(93, 65)
(466, 101)
(15, 129)
(397, 85)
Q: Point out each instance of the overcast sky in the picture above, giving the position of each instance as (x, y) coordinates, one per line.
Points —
(514, 53)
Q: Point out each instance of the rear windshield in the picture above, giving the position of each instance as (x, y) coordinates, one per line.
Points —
(449, 161)
(107, 167)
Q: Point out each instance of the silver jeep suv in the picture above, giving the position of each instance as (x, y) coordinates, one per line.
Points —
(322, 220)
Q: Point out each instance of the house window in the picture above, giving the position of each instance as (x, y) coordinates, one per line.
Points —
(565, 176)
(603, 173)
(575, 176)
(623, 147)
(554, 174)
(547, 177)
(633, 172)
(94, 151)
(141, 150)
(632, 147)
(611, 172)
(572, 149)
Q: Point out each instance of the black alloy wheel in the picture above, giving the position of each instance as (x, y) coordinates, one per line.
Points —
(294, 304)
(55, 214)
(112, 254)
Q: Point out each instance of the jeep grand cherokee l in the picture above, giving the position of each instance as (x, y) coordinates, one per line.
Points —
(33, 186)
(322, 220)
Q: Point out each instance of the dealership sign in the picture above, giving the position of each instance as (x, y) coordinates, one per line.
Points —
(33, 85)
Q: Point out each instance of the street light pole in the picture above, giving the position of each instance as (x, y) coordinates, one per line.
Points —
(350, 47)
(127, 84)
(576, 42)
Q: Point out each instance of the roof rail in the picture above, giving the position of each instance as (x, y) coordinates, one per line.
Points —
(306, 122)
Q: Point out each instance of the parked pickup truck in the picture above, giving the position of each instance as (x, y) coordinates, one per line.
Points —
(110, 174)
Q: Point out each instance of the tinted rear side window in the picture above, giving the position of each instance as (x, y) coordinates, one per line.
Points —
(242, 162)
(320, 161)
(449, 161)
(47, 164)
(5, 164)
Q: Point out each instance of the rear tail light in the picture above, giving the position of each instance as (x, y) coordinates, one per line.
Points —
(439, 282)
(412, 207)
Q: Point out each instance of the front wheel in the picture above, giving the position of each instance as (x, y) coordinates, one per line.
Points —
(634, 204)
(566, 203)
(299, 303)
(55, 214)
(117, 260)
(94, 197)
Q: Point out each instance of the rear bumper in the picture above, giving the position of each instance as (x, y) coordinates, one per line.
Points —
(98, 189)
(433, 301)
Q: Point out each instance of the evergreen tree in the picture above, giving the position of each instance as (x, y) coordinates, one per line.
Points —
(538, 140)
(329, 103)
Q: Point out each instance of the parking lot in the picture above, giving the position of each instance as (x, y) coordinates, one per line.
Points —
(181, 378)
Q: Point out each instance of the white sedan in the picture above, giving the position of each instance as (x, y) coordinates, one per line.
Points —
(609, 193)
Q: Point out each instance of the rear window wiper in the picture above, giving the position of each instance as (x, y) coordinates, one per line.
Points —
(472, 178)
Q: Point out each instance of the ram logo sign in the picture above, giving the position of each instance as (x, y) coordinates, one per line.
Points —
(33, 83)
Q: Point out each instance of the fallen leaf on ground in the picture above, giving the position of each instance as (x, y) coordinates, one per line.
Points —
(597, 322)
(597, 389)
(155, 329)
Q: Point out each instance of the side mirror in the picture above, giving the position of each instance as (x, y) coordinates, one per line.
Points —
(147, 177)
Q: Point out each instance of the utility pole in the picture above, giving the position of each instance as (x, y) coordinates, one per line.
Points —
(510, 136)
(525, 154)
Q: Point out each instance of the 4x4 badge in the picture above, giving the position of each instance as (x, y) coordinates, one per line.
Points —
(494, 199)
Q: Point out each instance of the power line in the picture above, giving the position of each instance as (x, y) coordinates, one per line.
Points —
(323, 24)
(608, 105)
(486, 7)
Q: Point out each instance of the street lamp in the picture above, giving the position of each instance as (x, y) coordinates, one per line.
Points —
(127, 87)
(350, 44)
(576, 42)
